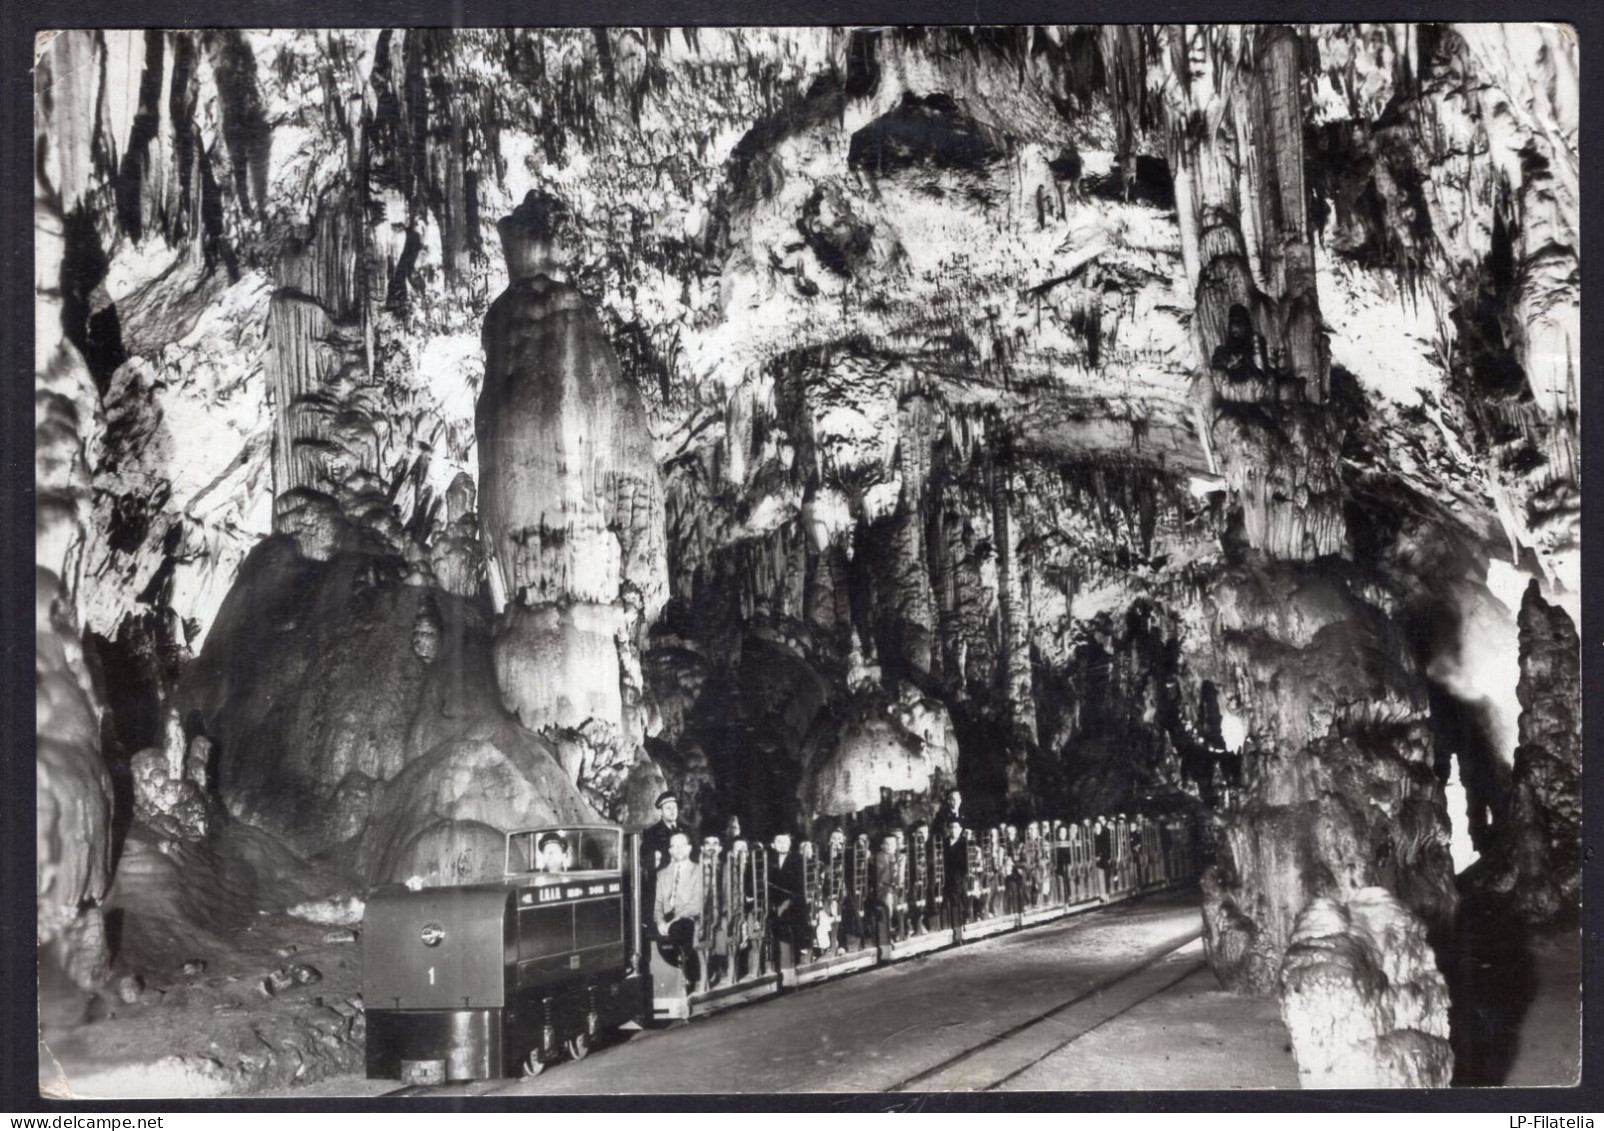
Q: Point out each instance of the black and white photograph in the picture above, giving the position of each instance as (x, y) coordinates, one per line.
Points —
(656, 560)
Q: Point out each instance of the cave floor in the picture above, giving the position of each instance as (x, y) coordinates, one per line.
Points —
(1548, 1043)
(210, 994)
(1191, 1034)
(217, 1031)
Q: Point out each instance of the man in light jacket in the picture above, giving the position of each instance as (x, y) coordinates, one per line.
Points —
(677, 907)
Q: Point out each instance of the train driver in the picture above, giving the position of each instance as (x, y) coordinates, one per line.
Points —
(553, 853)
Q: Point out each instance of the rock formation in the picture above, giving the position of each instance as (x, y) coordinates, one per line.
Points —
(73, 798)
(353, 712)
(571, 507)
(1537, 861)
(1337, 790)
(1362, 997)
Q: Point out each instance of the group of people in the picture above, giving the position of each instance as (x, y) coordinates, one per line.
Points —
(745, 908)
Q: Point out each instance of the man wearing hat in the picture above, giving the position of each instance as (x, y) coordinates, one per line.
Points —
(655, 841)
(553, 852)
(654, 845)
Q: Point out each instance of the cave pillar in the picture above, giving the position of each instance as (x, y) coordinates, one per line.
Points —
(1278, 202)
(317, 358)
(1536, 858)
(73, 791)
(570, 508)
(1014, 616)
(1242, 191)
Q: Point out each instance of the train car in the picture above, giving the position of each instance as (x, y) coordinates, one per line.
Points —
(500, 979)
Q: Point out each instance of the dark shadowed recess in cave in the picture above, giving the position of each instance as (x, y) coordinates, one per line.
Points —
(138, 667)
(983, 744)
(933, 129)
(246, 131)
(1381, 516)
(1150, 182)
(1376, 230)
(89, 321)
(190, 160)
(131, 513)
(1486, 363)
(639, 360)
(1427, 620)
(1492, 979)
(1106, 756)
(134, 673)
(395, 295)
(129, 182)
(751, 174)
(1462, 733)
(1067, 165)
(755, 775)
(181, 101)
(863, 63)
(839, 249)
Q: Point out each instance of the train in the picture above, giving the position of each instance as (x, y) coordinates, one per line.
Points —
(501, 979)
(505, 978)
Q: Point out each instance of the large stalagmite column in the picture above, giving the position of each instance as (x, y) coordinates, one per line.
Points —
(571, 507)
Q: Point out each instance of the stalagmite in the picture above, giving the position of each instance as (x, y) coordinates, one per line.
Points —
(570, 501)
(1537, 863)
(73, 790)
(1362, 997)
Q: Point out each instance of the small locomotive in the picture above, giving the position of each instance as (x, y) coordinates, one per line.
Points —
(499, 979)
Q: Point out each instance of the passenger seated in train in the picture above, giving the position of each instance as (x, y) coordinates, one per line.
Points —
(955, 878)
(1103, 846)
(885, 890)
(715, 937)
(835, 890)
(919, 878)
(787, 903)
(1013, 870)
(553, 853)
(677, 907)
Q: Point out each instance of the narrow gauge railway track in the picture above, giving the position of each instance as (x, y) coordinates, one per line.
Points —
(1128, 989)
(451, 1088)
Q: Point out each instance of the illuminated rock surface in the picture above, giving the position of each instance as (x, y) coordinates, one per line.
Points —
(1362, 997)
(1096, 417)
